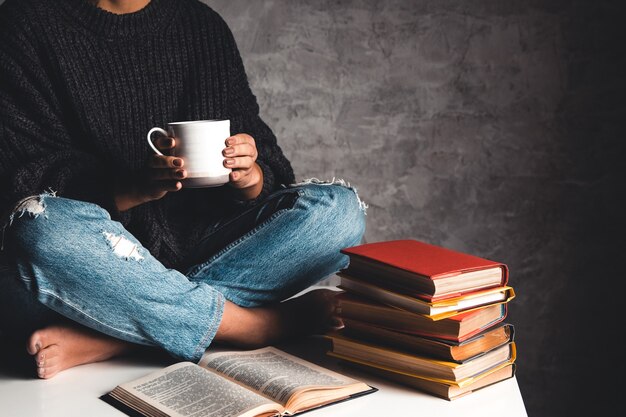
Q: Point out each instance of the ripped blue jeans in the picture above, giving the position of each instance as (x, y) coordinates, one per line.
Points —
(70, 257)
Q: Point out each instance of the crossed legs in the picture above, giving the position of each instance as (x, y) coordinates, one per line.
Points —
(116, 295)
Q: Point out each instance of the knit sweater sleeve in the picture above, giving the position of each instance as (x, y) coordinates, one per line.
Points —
(244, 115)
(38, 152)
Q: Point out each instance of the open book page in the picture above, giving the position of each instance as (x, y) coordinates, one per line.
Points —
(277, 374)
(185, 389)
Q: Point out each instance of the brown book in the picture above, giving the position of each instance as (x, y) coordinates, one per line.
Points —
(423, 366)
(456, 328)
(440, 349)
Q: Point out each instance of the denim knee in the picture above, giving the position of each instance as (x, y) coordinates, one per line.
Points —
(43, 227)
(339, 208)
(88, 268)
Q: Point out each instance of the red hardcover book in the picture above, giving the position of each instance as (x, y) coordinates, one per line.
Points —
(427, 271)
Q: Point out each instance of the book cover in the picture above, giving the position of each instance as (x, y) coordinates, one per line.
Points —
(430, 269)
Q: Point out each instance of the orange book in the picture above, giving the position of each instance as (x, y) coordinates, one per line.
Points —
(457, 328)
(427, 271)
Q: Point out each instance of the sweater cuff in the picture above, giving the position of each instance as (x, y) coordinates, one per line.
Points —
(269, 182)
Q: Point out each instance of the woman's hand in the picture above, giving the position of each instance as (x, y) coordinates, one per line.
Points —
(241, 154)
(162, 175)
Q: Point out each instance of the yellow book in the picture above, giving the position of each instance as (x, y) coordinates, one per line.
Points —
(444, 390)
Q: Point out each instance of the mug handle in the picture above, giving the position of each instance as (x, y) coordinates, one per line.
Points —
(156, 129)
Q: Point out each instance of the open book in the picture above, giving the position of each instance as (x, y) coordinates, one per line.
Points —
(262, 382)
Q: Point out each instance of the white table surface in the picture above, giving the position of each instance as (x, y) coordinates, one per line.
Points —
(76, 392)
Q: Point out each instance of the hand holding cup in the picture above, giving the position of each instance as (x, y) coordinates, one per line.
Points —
(241, 155)
(163, 174)
(200, 144)
(194, 154)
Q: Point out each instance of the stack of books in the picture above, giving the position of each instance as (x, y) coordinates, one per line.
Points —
(425, 316)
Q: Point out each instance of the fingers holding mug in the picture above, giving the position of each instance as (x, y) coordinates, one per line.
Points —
(159, 161)
(242, 162)
(240, 145)
(200, 144)
(168, 174)
(166, 168)
(240, 155)
(165, 143)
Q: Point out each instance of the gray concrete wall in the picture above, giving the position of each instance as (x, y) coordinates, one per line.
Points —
(485, 126)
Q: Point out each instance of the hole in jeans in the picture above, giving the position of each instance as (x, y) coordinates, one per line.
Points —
(123, 247)
(33, 205)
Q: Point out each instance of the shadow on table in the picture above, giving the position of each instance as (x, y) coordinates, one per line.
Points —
(15, 362)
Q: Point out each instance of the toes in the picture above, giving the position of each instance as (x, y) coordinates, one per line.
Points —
(48, 362)
(48, 372)
(48, 356)
(36, 341)
(40, 358)
(41, 373)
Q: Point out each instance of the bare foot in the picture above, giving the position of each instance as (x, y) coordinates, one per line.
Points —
(63, 346)
(310, 313)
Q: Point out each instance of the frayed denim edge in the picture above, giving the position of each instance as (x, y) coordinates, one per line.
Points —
(341, 182)
(21, 207)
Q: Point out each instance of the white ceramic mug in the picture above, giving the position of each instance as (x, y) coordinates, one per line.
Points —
(200, 144)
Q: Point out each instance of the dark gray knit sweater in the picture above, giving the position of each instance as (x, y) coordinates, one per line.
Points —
(80, 87)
